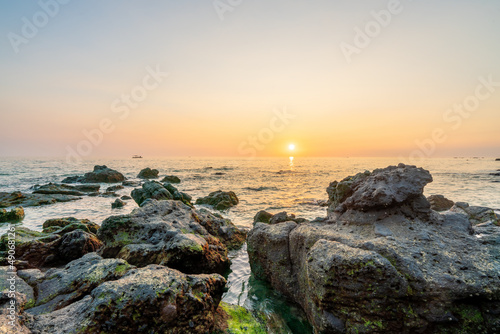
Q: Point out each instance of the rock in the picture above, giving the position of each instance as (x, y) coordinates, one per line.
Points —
(440, 203)
(150, 189)
(13, 320)
(158, 191)
(219, 173)
(14, 215)
(495, 174)
(59, 287)
(19, 199)
(126, 198)
(114, 188)
(109, 194)
(262, 217)
(64, 189)
(171, 233)
(171, 179)
(62, 226)
(10, 281)
(131, 183)
(148, 173)
(219, 200)
(154, 299)
(476, 214)
(338, 192)
(118, 203)
(236, 319)
(384, 262)
(498, 159)
(38, 249)
(101, 174)
(392, 191)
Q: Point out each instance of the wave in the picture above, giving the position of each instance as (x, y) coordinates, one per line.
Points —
(261, 188)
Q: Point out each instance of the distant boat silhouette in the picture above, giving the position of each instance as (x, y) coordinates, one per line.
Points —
(137, 157)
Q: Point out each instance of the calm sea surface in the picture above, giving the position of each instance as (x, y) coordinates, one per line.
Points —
(261, 184)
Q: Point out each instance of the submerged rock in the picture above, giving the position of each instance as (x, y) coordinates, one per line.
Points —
(118, 203)
(171, 179)
(101, 174)
(384, 262)
(14, 215)
(171, 233)
(219, 200)
(38, 249)
(26, 200)
(440, 203)
(131, 183)
(64, 189)
(148, 173)
(114, 188)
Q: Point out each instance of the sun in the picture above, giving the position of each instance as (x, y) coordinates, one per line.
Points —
(291, 147)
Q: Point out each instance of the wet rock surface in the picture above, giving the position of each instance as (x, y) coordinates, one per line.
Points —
(155, 190)
(17, 198)
(440, 203)
(168, 232)
(384, 262)
(64, 189)
(100, 174)
(148, 173)
(219, 200)
(171, 179)
(14, 215)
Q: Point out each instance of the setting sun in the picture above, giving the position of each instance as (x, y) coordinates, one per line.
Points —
(291, 147)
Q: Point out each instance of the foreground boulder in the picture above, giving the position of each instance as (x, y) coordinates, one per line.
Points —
(154, 299)
(64, 189)
(101, 174)
(219, 200)
(14, 215)
(268, 218)
(148, 173)
(156, 190)
(39, 249)
(173, 234)
(384, 262)
(19, 199)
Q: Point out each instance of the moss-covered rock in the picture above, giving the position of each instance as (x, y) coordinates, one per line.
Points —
(219, 200)
(14, 215)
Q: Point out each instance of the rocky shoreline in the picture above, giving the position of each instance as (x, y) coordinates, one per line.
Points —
(384, 260)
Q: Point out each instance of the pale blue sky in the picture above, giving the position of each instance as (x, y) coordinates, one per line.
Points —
(226, 76)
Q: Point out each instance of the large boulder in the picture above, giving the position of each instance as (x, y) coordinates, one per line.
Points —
(64, 225)
(219, 200)
(38, 249)
(17, 198)
(14, 215)
(101, 174)
(64, 189)
(173, 234)
(156, 190)
(384, 262)
(148, 173)
(154, 299)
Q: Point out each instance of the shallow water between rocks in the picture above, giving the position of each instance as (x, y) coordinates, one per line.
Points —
(271, 184)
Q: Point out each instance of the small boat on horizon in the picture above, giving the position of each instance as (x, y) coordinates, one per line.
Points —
(137, 157)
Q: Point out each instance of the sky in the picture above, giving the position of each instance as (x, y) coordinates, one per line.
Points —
(248, 78)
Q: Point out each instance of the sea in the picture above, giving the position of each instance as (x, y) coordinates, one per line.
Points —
(295, 185)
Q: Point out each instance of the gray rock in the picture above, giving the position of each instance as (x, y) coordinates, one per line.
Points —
(64, 225)
(148, 173)
(64, 189)
(118, 203)
(12, 319)
(219, 200)
(114, 188)
(152, 299)
(25, 200)
(158, 191)
(171, 233)
(131, 183)
(171, 179)
(101, 174)
(440, 203)
(262, 217)
(431, 271)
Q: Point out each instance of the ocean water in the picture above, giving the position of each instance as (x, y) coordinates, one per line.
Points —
(272, 184)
